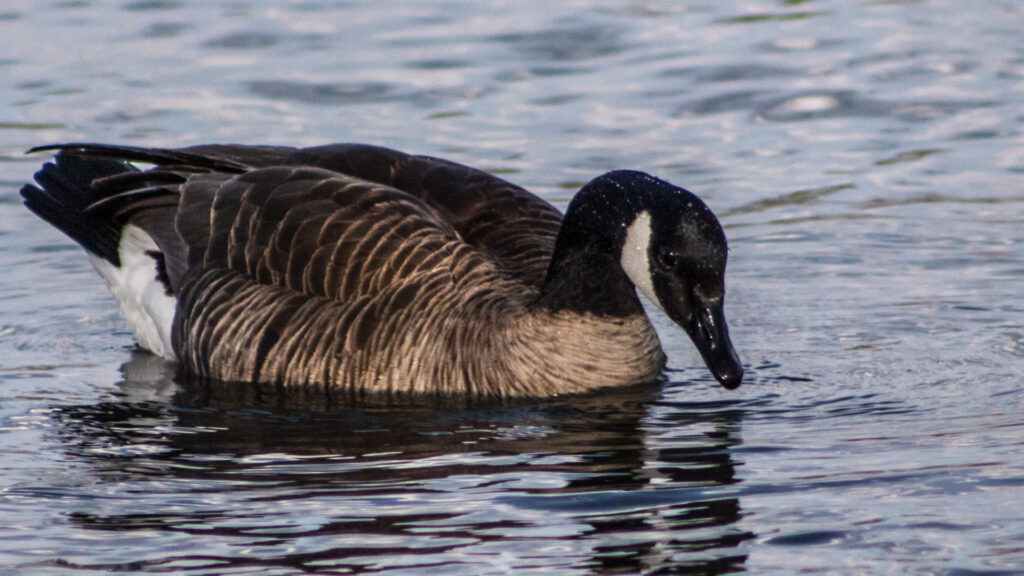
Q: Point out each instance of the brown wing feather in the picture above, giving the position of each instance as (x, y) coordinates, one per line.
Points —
(493, 215)
(306, 275)
(310, 230)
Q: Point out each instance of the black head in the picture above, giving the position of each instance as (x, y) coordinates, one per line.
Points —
(673, 250)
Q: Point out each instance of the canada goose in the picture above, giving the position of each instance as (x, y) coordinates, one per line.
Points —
(362, 268)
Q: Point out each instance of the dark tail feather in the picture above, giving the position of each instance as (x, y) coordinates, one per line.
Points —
(64, 193)
(159, 157)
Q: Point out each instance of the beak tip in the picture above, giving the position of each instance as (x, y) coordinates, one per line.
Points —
(731, 379)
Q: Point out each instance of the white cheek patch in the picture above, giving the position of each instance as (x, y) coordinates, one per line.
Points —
(635, 261)
(144, 303)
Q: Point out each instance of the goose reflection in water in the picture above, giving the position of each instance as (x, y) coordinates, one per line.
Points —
(619, 481)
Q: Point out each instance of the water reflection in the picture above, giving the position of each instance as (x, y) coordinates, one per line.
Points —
(622, 481)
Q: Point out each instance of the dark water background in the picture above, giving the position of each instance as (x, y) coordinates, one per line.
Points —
(866, 157)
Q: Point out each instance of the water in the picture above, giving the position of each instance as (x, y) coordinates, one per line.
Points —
(866, 158)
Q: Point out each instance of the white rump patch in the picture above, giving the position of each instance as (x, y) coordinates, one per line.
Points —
(635, 260)
(143, 300)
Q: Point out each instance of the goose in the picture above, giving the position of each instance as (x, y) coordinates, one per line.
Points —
(364, 269)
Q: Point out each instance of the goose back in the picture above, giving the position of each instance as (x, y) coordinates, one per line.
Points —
(491, 214)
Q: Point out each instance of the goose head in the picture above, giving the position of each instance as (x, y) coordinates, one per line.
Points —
(669, 246)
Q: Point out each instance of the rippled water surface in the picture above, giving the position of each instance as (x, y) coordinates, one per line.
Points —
(867, 159)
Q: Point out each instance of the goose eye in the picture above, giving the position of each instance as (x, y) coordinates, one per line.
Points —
(667, 258)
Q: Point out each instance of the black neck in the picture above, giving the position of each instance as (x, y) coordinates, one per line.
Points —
(586, 272)
(585, 276)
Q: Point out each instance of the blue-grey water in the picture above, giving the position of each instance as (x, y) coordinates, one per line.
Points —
(866, 158)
